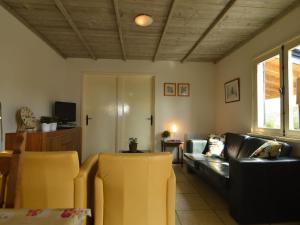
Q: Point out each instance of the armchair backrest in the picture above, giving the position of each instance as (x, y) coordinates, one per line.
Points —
(136, 188)
(47, 179)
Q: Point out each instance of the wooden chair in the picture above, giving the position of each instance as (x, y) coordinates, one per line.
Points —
(10, 170)
(5, 159)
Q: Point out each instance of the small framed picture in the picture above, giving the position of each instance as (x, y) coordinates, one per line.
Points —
(169, 89)
(232, 90)
(183, 89)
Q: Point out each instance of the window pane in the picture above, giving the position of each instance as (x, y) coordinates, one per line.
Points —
(294, 74)
(268, 95)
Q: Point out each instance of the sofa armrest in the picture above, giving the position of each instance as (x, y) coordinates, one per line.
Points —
(171, 199)
(262, 190)
(196, 146)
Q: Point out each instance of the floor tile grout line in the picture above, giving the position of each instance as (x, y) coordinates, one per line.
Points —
(199, 193)
(178, 217)
(220, 218)
(204, 199)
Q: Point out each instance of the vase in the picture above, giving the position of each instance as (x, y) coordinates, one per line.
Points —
(133, 147)
(46, 127)
(53, 126)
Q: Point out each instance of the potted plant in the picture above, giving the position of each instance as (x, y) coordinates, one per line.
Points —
(53, 124)
(165, 134)
(133, 144)
(46, 123)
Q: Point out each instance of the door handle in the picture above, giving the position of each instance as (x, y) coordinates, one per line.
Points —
(87, 118)
(151, 120)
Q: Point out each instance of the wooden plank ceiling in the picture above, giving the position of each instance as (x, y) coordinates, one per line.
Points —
(183, 30)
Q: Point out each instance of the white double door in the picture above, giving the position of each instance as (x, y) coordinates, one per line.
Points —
(116, 108)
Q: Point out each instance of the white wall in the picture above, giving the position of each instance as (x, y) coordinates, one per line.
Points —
(194, 115)
(31, 73)
(236, 116)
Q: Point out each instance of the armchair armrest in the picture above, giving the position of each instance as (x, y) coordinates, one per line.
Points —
(263, 191)
(171, 199)
(196, 146)
(84, 185)
(99, 201)
(84, 182)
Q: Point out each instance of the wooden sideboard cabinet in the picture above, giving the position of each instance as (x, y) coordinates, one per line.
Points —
(60, 140)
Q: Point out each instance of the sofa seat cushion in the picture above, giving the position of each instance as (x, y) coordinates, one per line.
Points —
(201, 157)
(217, 165)
(215, 173)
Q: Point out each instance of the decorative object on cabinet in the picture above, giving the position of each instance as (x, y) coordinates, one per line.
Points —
(48, 123)
(169, 89)
(183, 89)
(60, 140)
(232, 90)
(25, 120)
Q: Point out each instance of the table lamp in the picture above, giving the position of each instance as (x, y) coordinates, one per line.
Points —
(174, 130)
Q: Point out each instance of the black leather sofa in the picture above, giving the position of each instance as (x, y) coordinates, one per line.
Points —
(258, 190)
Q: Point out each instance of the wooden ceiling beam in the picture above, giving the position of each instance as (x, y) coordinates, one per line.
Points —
(69, 19)
(211, 26)
(170, 13)
(118, 22)
(239, 45)
(22, 20)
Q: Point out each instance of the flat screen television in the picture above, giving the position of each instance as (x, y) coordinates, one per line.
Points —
(65, 111)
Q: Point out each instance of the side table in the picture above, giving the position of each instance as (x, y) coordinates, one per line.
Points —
(175, 144)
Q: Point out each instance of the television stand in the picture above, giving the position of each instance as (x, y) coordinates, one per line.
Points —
(60, 140)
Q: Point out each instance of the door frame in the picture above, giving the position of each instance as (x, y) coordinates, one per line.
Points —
(116, 75)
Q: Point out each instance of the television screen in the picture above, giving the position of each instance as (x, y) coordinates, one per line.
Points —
(65, 111)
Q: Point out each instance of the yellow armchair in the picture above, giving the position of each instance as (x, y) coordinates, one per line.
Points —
(54, 180)
(135, 189)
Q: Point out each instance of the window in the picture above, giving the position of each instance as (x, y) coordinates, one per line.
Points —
(277, 92)
(268, 94)
(294, 87)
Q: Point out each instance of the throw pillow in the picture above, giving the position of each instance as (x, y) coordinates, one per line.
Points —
(270, 149)
(216, 146)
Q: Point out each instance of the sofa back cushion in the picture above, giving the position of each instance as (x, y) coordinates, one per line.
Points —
(233, 143)
(286, 149)
(251, 144)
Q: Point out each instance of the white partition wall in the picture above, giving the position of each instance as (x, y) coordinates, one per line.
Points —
(116, 108)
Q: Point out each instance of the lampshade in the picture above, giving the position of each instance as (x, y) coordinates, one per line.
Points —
(174, 128)
(298, 91)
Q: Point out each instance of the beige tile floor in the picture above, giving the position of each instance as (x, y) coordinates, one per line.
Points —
(198, 204)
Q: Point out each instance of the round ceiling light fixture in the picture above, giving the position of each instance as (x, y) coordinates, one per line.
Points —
(143, 20)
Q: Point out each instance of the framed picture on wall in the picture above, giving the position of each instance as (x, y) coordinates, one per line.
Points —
(232, 90)
(183, 89)
(169, 89)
